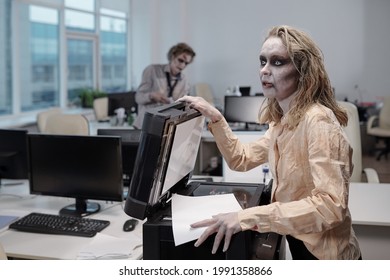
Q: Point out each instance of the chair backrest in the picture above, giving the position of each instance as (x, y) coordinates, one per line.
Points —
(100, 108)
(68, 124)
(352, 130)
(384, 114)
(43, 116)
(204, 90)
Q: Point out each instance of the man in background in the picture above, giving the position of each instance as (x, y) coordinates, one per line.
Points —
(164, 83)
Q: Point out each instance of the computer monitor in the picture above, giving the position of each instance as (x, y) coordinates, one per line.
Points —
(166, 157)
(124, 100)
(130, 140)
(80, 167)
(243, 109)
(13, 154)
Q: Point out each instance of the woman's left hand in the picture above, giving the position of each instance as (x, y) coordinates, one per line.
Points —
(225, 225)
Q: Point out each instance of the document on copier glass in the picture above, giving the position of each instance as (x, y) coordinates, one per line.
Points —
(187, 210)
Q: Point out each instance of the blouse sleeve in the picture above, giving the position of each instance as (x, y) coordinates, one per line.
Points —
(239, 156)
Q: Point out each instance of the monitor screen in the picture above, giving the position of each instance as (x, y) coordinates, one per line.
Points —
(80, 167)
(13, 154)
(130, 140)
(244, 109)
(124, 100)
(166, 157)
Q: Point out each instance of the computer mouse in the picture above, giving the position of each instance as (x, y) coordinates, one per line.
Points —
(130, 225)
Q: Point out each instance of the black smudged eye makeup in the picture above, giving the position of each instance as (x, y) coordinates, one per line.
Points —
(275, 60)
(280, 61)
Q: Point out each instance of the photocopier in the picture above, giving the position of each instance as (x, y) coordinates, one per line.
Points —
(165, 160)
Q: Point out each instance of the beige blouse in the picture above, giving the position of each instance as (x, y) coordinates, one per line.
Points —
(311, 166)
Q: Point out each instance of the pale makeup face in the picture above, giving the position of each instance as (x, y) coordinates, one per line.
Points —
(180, 62)
(278, 76)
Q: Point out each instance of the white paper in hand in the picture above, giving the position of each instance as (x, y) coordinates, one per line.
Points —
(187, 210)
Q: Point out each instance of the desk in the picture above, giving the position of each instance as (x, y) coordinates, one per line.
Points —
(16, 200)
(369, 206)
(95, 125)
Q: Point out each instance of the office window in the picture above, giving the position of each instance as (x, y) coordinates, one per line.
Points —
(5, 58)
(78, 73)
(85, 5)
(113, 42)
(91, 40)
(38, 57)
(120, 71)
(43, 73)
(79, 21)
(79, 15)
(80, 66)
(106, 72)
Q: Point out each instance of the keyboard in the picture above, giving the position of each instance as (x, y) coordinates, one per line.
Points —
(57, 224)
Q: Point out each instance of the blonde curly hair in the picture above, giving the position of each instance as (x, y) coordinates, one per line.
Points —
(313, 84)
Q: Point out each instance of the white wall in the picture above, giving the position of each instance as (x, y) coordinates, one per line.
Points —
(227, 36)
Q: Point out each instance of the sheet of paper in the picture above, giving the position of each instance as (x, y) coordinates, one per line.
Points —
(6, 220)
(104, 246)
(187, 210)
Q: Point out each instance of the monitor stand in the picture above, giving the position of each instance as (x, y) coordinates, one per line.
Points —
(81, 208)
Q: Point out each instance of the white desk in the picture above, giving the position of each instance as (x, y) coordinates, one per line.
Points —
(370, 210)
(95, 125)
(16, 200)
(370, 204)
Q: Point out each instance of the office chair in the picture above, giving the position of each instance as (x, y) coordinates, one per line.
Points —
(3, 255)
(69, 124)
(204, 90)
(352, 130)
(43, 116)
(100, 108)
(379, 127)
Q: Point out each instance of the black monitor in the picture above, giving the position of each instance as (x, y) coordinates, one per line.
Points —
(166, 157)
(124, 100)
(243, 109)
(130, 140)
(13, 154)
(80, 167)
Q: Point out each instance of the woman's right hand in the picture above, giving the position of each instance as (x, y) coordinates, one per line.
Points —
(225, 225)
(205, 108)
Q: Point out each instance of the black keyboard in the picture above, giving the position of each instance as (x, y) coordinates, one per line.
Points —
(56, 224)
